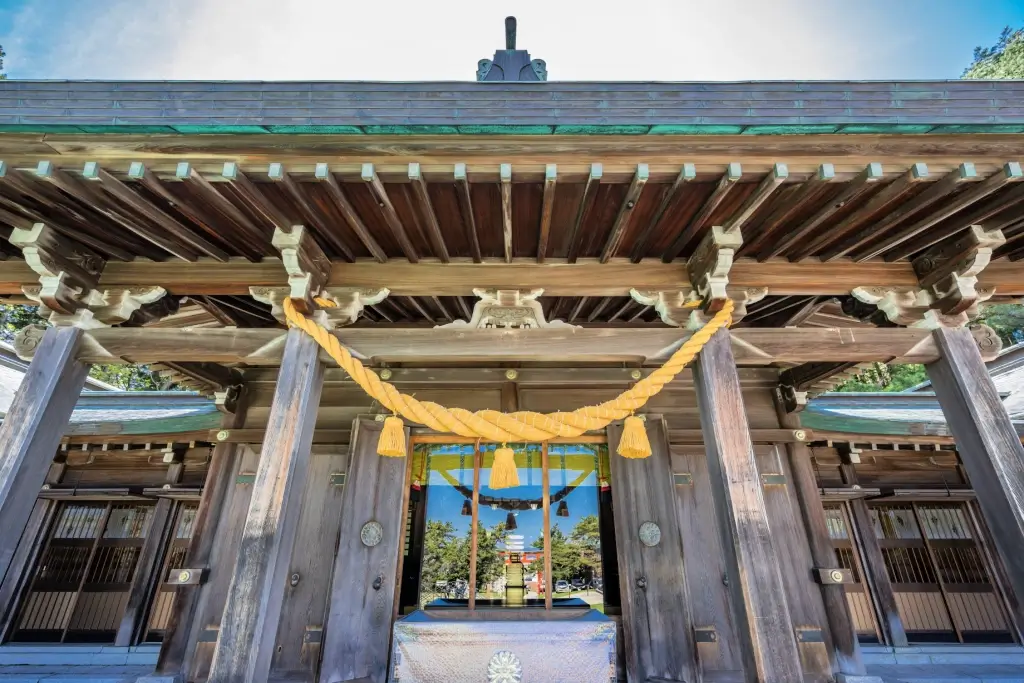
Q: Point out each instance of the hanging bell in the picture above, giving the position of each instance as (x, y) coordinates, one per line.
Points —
(510, 522)
(467, 509)
(563, 509)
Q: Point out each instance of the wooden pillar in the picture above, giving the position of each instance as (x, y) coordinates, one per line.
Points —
(248, 626)
(837, 609)
(175, 653)
(875, 572)
(32, 430)
(988, 444)
(757, 594)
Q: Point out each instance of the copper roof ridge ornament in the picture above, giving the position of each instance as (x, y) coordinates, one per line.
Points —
(511, 64)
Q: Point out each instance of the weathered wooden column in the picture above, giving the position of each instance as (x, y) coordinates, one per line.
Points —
(32, 429)
(175, 653)
(757, 594)
(848, 660)
(986, 439)
(249, 624)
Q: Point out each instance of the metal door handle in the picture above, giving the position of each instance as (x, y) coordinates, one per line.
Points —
(378, 582)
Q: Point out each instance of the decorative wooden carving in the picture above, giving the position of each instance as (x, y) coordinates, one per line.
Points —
(510, 308)
(915, 307)
(710, 264)
(67, 270)
(672, 306)
(950, 269)
(349, 301)
(307, 265)
(104, 308)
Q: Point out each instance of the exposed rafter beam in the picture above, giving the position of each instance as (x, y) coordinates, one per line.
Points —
(686, 175)
(629, 202)
(380, 195)
(725, 185)
(640, 314)
(886, 196)
(323, 174)
(441, 307)
(412, 301)
(578, 308)
(426, 208)
(765, 189)
(1010, 173)
(622, 309)
(782, 216)
(599, 309)
(547, 208)
(586, 202)
(187, 173)
(320, 225)
(466, 208)
(254, 197)
(933, 193)
(505, 173)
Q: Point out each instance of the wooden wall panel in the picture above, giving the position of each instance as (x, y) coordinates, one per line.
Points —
(703, 563)
(312, 559)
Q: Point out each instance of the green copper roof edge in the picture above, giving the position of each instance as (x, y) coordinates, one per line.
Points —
(523, 129)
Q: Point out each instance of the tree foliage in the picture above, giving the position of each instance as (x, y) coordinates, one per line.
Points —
(573, 556)
(127, 377)
(1005, 59)
(446, 555)
(882, 377)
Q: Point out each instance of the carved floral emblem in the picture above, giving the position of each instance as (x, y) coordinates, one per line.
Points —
(504, 667)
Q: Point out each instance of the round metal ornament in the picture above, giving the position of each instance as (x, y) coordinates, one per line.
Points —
(371, 533)
(650, 534)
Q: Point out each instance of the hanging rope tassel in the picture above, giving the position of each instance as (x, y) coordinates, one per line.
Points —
(392, 438)
(504, 474)
(634, 442)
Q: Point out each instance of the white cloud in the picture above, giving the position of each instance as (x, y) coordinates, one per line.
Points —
(406, 40)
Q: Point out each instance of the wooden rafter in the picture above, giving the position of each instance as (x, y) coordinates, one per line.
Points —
(1011, 173)
(599, 309)
(640, 314)
(380, 195)
(186, 172)
(934, 193)
(686, 175)
(629, 202)
(578, 308)
(442, 308)
(781, 217)
(547, 208)
(621, 311)
(420, 308)
(221, 314)
(323, 174)
(505, 174)
(254, 197)
(725, 185)
(426, 209)
(886, 196)
(586, 202)
(765, 189)
(317, 222)
(466, 209)
(465, 308)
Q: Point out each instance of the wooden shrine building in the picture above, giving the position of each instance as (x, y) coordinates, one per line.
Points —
(512, 244)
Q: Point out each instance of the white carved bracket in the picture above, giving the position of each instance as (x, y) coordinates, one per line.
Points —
(67, 270)
(349, 303)
(675, 307)
(510, 308)
(306, 264)
(98, 308)
(710, 264)
(920, 307)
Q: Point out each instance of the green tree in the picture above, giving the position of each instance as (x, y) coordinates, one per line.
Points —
(1005, 59)
(883, 377)
(128, 377)
(586, 536)
(565, 556)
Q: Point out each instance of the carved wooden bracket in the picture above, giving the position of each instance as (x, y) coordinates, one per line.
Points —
(108, 307)
(510, 308)
(306, 264)
(915, 307)
(67, 270)
(710, 265)
(671, 305)
(349, 301)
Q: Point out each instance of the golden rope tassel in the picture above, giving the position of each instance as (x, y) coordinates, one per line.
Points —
(504, 474)
(634, 442)
(392, 438)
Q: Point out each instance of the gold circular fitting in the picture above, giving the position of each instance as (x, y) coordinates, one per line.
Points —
(836, 576)
(511, 374)
(636, 374)
(379, 418)
(184, 576)
(223, 435)
(385, 374)
(800, 435)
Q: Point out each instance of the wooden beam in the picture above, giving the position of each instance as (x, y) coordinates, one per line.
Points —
(725, 185)
(254, 197)
(441, 307)
(547, 208)
(757, 593)
(380, 195)
(622, 309)
(1011, 173)
(466, 208)
(987, 441)
(782, 215)
(621, 224)
(872, 230)
(586, 203)
(323, 174)
(882, 199)
(578, 308)
(686, 175)
(505, 172)
(848, 659)
(805, 376)
(853, 189)
(175, 659)
(767, 187)
(426, 208)
(320, 225)
(598, 309)
(187, 173)
(248, 627)
(31, 429)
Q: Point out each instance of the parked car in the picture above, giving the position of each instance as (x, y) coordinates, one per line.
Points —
(562, 586)
(578, 584)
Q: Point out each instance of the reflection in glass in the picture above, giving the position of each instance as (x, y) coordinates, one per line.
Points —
(510, 532)
(446, 477)
(574, 484)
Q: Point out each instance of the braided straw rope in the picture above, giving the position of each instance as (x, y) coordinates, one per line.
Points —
(491, 425)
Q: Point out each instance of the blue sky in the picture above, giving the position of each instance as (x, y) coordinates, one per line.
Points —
(406, 40)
